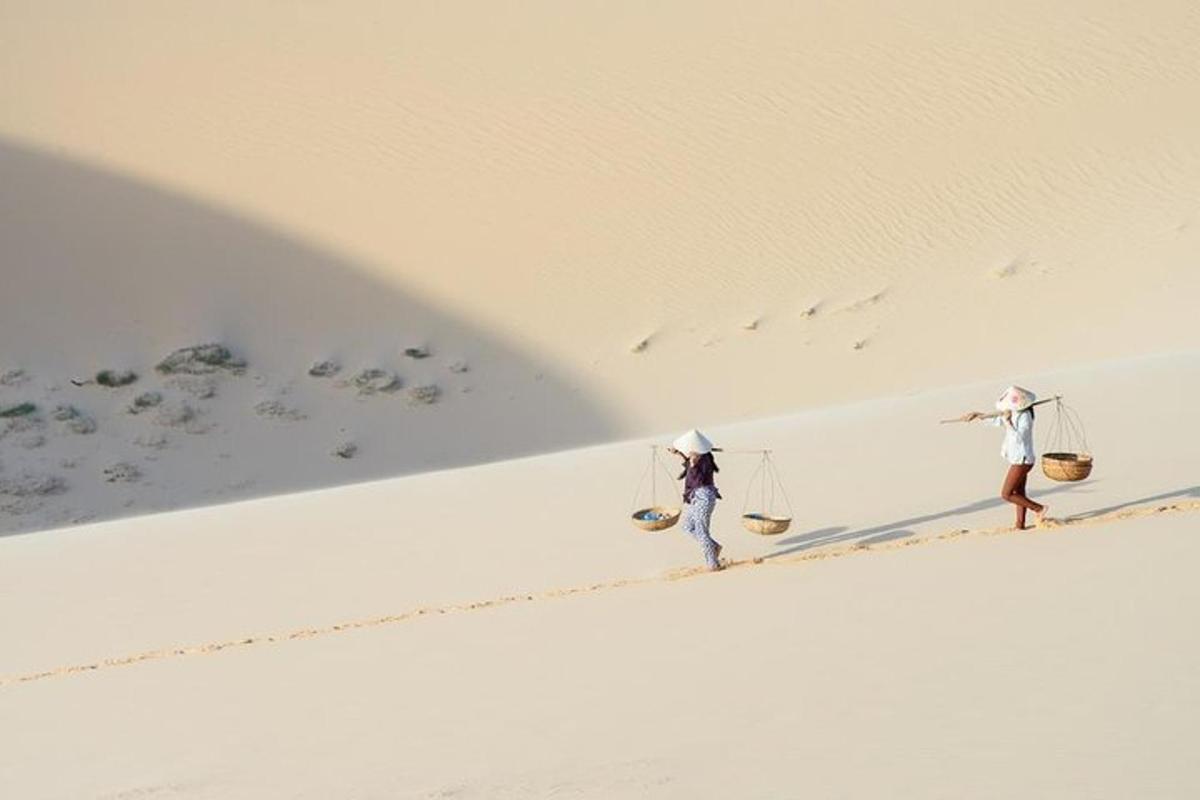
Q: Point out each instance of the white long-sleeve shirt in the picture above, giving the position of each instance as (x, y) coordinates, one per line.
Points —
(1018, 438)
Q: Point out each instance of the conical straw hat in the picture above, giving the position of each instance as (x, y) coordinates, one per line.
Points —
(693, 442)
(1015, 398)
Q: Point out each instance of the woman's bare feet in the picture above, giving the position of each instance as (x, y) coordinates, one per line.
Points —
(1042, 516)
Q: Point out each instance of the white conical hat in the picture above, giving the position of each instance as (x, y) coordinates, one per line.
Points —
(693, 442)
(1015, 398)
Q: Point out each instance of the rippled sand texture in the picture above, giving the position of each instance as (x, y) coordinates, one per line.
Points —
(577, 180)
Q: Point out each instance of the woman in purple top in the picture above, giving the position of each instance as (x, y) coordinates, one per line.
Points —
(699, 491)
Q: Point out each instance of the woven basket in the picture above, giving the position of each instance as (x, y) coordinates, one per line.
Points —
(667, 517)
(1066, 466)
(765, 525)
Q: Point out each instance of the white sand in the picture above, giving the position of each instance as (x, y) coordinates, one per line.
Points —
(993, 666)
(537, 192)
(563, 184)
(812, 229)
(908, 674)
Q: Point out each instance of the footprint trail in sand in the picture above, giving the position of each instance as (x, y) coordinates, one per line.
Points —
(1068, 524)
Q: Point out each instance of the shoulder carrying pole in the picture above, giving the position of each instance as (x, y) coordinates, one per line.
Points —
(994, 414)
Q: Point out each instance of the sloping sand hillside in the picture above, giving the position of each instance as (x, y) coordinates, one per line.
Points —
(503, 631)
(334, 339)
(619, 220)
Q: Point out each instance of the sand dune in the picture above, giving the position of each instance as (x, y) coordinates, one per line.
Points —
(103, 273)
(460, 536)
(898, 636)
(569, 188)
(868, 546)
(400, 293)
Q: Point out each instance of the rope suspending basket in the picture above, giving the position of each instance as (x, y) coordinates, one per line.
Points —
(765, 521)
(655, 517)
(1069, 458)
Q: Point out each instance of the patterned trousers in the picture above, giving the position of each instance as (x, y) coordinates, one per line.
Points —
(696, 519)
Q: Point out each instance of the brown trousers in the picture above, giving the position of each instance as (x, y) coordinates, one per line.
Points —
(1013, 491)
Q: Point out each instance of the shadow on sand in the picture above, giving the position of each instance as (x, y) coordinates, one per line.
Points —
(1178, 494)
(101, 269)
(893, 530)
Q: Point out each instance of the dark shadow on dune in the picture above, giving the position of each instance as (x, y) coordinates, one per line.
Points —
(890, 536)
(893, 530)
(1178, 494)
(143, 271)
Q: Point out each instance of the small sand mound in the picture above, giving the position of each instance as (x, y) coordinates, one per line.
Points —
(32, 485)
(419, 351)
(122, 472)
(374, 380)
(458, 366)
(115, 378)
(201, 388)
(277, 410)
(325, 369)
(425, 395)
(152, 441)
(13, 377)
(22, 425)
(175, 415)
(144, 402)
(866, 302)
(1007, 270)
(202, 359)
(640, 345)
(74, 420)
(346, 450)
(1021, 265)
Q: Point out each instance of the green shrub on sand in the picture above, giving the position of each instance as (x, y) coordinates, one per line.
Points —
(114, 378)
(201, 359)
(19, 410)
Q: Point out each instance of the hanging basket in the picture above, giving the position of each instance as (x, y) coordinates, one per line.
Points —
(1070, 458)
(656, 518)
(765, 525)
(1066, 467)
(764, 521)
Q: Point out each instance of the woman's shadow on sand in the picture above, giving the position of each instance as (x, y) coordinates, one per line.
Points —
(902, 528)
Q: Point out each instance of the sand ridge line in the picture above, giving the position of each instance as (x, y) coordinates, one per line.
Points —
(1131, 512)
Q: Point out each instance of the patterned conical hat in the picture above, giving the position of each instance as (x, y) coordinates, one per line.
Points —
(1015, 398)
(693, 442)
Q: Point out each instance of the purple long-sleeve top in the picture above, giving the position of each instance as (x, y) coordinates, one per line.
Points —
(698, 474)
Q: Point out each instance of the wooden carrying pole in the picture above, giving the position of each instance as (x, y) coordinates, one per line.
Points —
(995, 414)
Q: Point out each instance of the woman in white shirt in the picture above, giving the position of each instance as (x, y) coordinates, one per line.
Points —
(1014, 413)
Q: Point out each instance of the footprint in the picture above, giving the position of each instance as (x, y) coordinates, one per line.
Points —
(1007, 270)
(866, 302)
